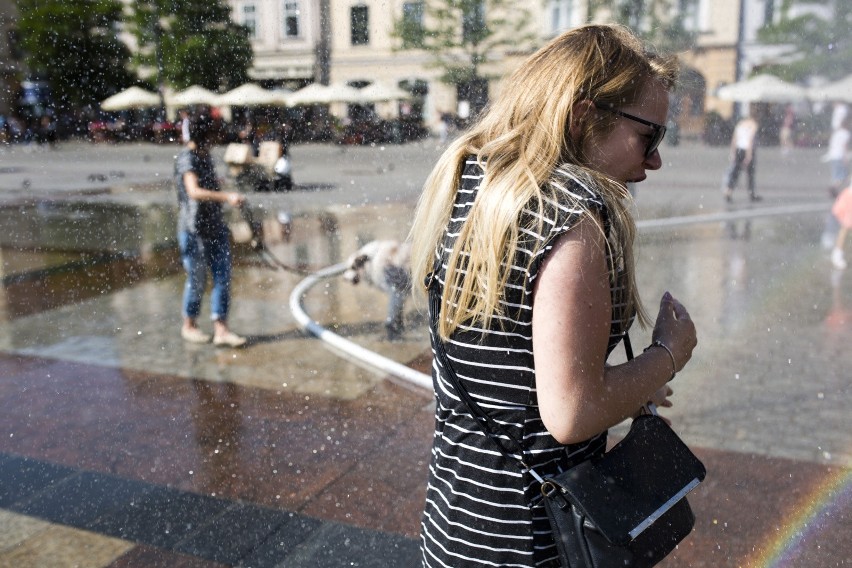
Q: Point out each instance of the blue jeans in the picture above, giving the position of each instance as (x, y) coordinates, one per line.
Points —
(197, 254)
(736, 167)
(839, 173)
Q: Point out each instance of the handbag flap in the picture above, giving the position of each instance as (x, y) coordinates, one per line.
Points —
(626, 489)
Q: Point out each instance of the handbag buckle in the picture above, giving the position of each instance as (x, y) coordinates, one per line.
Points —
(552, 491)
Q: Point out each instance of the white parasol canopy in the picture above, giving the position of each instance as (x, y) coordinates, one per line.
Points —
(281, 97)
(194, 95)
(134, 97)
(840, 91)
(316, 93)
(379, 92)
(762, 89)
(249, 94)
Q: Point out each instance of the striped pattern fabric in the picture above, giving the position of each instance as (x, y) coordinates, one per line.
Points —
(482, 509)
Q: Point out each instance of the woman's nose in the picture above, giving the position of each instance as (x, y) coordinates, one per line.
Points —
(654, 161)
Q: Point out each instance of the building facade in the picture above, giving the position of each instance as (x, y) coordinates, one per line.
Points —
(362, 48)
(284, 35)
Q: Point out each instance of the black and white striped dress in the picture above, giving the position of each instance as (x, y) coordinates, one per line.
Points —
(481, 509)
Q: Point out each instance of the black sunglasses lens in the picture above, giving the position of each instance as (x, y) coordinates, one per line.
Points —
(659, 134)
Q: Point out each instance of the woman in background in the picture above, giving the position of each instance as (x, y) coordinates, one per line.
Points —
(203, 237)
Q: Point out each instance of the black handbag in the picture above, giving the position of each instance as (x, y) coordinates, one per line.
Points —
(625, 508)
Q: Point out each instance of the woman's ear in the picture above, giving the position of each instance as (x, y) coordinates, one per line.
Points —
(579, 114)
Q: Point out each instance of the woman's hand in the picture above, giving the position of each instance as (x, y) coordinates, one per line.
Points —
(235, 199)
(661, 397)
(675, 329)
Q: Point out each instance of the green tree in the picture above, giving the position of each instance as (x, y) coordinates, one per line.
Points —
(662, 23)
(193, 42)
(73, 45)
(463, 35)
(818, 46)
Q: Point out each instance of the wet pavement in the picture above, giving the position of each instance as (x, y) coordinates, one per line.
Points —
(122, 446)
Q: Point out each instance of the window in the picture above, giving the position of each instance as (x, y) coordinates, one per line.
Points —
(473, 23)
(412, 24)
(695, 14)
(561, 15)
(248, 16)
(769, 13)
(360, 25)
(292, 19)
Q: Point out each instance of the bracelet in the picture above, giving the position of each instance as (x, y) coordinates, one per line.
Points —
(658, 343)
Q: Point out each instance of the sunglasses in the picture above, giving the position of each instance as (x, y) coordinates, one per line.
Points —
(659, 130)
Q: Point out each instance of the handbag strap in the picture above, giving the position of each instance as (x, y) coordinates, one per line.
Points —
(490, 426)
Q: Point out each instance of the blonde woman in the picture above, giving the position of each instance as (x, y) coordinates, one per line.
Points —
(528, 219)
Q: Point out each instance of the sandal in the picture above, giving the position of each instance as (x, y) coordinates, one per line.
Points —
(229, 339)
(194, 335)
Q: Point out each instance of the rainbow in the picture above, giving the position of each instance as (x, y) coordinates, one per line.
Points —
(830, 496)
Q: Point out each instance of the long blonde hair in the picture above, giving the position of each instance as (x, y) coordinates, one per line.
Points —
(524, 137)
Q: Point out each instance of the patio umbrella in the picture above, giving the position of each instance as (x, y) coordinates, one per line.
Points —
(379, 92)
(131, 98)
(762, 89)
(194, 95)
(341, 93)
(840, 91)
(316, 93)
(249, 94)
(281, 97)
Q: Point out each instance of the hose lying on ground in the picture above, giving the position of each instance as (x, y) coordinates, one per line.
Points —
(257, 245)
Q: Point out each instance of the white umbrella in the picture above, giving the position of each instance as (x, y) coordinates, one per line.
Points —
(379, 92)
(762, 89)
(840, 91)
(134, 97)
(341, 93)
(249, 94)
(316, 93)
(281, 97)
(194, 95)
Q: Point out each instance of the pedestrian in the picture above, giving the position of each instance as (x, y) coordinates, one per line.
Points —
(842, 211)
(839, 111)
(282, 179)
(203, 237)
(743, 144)
(837, 156)
(444, 127)
(785, 136)
(184, 126)
(526, 223)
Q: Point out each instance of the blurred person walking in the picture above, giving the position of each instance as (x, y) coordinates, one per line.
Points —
(203, 237)
(184, 126)
(743, 144)
(842, 211)
(837, 156)
(785, 136)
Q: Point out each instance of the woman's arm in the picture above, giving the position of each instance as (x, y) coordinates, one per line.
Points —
(198, 193)
(579, 395)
